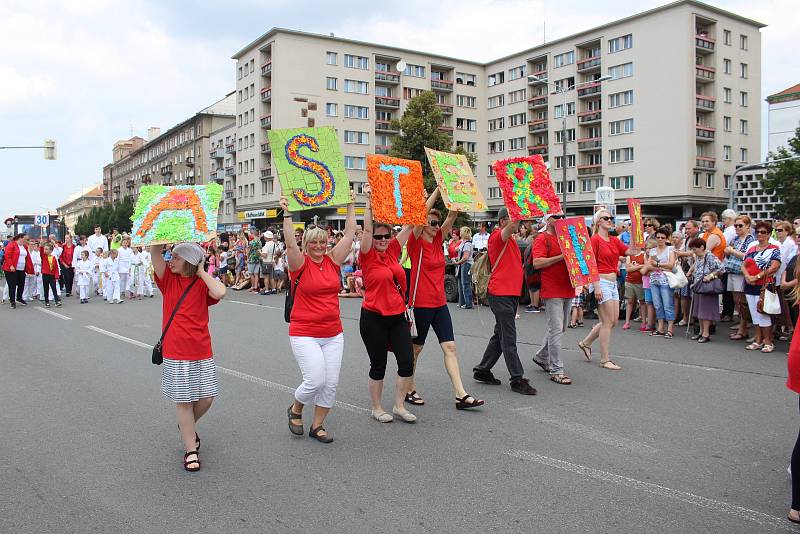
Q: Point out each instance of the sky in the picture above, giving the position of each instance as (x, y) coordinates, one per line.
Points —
(90, 72)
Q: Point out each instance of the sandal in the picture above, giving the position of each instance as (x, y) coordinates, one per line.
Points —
(611, 366)
(766, 349)
(656, 333)
(587, 350)
(572, 325)
(561, 379)
(754, 346)
(579, 323)
(703, 339)
(464, 403)
(294, 428)
(187, 462)
(315, 433)
(413, 398)
(668, 335)
(736, 337)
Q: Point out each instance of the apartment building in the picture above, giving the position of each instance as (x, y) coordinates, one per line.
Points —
(222, 154)
(784, 117)
(179, 156)
(80, 203)
(662, 106)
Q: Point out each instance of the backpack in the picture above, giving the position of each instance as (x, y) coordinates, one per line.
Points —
(482, 271)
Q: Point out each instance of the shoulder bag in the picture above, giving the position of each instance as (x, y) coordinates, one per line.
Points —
(289, 302)
(158, 356)
(713, 287)
(768, 302)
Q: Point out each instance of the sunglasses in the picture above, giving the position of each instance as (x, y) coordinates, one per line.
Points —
(649, 225)
(556, 217)
(779, 230)
(381, 237)
(661, 237)
(606, 218)
(433, 222)
(763, 232)
(738, 226)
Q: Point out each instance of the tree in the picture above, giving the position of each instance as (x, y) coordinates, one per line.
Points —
(419, 128)
(784, 177)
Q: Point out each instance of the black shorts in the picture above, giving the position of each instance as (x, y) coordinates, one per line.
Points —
(439, 318)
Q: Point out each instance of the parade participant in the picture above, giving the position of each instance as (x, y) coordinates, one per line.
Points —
(576, 321)
(83, 276)
(634, 291)
(137, 274)
(557, 293)
(662, 259)
(50, 274)
(112, 277)
(102, 274)
(315, 326)
(77, 252)
(33, 284)
(383, 321)
(16, 264)
(607, 250)
(766, 260)
(793, 383)
(427, 298)
(505, 283)
(464, 265)
(147, 265)
(705, 306)
(65, 261)
(124, 260)
(97, 240)
(734, 256)
(188, 373)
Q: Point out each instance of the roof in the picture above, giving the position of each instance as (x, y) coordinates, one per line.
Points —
(665, 7)
(790, 93)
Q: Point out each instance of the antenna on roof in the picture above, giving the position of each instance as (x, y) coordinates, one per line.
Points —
(544, 31)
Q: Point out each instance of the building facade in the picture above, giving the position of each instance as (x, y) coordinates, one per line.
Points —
(80, 203)
(784, 117)
(222, 154)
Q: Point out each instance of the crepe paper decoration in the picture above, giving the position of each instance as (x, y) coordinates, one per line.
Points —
(310, 182)
(526, 186)
(637, 228)
(456, 182)
(397, 190)
(186, 213)
(573, 239)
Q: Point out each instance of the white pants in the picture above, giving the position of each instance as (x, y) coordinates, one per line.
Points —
(5, 292)
(84, 291)
(320, 360)
(123, 282)
(31, 287)
(148, 286)
(112, 290)
(759, 319)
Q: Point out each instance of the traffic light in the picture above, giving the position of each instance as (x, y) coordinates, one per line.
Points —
(49, 149)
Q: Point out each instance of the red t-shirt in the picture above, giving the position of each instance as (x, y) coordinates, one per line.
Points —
(430, 293)
(555, 279)
(315, 312)
(608, 253)
(382, 272)
(188, 337)
(793, 363)
(635, 277)
(452, 247)
(506, 278)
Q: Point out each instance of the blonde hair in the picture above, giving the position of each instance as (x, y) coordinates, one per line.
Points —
(596, 219)
(465, 232)
(314, 234)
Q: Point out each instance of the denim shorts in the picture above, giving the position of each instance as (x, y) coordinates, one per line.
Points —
(648, 296)
(609, 289)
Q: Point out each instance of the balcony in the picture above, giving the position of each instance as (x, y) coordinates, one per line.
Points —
(190, 173)
(265, 148)
(590, 90)
(189, 161)
(590, 170)
(704, 134)
(537, 102)
(266, 94)
(266, 173)
(266, 121)
(590, 143)
(704, 44)
(447, 109)
(167, 169)
(384, 126)
(382, 76)
(705, 162)
(590, 64)
(537, 126)
(446, 129)
(382, 149)
(704, 74)
(218, 175)
(217, 153)
(387, 102)
(704, 103)
(538, 74)
(230, 149)
(229, 193)
(442, 85)
(266, 69)
(538, 149)
(230, 171)
(590, 117)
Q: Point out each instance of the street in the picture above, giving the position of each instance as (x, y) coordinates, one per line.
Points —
(687, 438)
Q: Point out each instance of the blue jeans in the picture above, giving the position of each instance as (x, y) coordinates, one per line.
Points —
(663, 301)
(465, 285)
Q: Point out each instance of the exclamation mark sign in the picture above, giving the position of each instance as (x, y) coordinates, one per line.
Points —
(396, 171)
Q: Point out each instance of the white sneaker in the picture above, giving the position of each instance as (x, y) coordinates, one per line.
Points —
(405, 415)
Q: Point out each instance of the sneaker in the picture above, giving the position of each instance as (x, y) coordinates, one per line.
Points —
(23, 302)
(523, 387)
(531, 309)
(486, 377)
(626, 326)
(46, 304)
(58, 304)
(13, 305)
(644, 328)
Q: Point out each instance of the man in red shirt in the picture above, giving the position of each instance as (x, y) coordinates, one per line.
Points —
(557, 293)
(505, 286)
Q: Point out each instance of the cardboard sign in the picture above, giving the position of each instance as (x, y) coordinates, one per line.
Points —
(397, 190)
(637, 225)
(527, 189)
(180, 214)
(573, 239)
(456, 182)
(310, 182)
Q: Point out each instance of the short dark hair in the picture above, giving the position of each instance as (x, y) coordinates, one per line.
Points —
(436, 212)
(764, 224)
(377, 225)
(663, 230)
(697, 242)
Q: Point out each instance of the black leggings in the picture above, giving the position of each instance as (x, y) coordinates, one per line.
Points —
(16, 284)
(796, 473)
(49, 284)
(380, 332)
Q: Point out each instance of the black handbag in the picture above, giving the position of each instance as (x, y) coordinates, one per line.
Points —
(714, 287)
(158, 356)
(289, 302)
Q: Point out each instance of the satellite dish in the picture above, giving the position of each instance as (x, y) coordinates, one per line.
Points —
(401, 66)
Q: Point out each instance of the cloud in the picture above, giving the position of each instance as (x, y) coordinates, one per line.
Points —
(17, 88)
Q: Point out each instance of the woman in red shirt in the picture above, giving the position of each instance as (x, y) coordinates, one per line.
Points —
(454, 241)
(315, 328)
(607, 250)
(793, 383)
(188, 374)
(383, 322)
(16, 264)
(427, 298)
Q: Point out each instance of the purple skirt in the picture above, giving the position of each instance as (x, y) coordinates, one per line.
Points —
(705, 307)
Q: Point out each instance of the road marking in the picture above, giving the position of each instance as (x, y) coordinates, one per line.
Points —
(254, 304)
(655, 489)
(587, 431)
(232, 372)
(54, 314)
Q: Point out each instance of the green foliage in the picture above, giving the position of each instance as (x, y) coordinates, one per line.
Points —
(108, 217)
(419, 128)
(784, 178)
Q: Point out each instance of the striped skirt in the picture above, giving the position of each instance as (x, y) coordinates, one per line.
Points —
(188, 380)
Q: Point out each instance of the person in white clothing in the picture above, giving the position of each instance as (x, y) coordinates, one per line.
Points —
(83, 275)
(113, 273)
(97, 240)
(480, 240)
(124, 258)
(136, 283)
(147, 266)
(33, 284)
(97, 276)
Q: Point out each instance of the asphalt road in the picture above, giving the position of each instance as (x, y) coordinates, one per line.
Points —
(687, 438)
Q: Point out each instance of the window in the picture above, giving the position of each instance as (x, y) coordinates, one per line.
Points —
(622, 182)
(743, 155)
(726, 37)
(491, 171)
(726, 181)
(468, 146)
(240, 73)
(727, 95)
(560, 186)
(516, 96)
(463, 78)
(382, 90)
(497, 78)
(558, 111)
(381, 115)
(620, 43)
(621, 155)
(726, 152)
(330, 83)
(240, 192)
(356, 138)
(330, 109)
(743, 42)
(464, 101)
(709, 181)
(586, 186)
(567, 58)
(517, 120)
(356, 86)
(496, 101)
(466, 124)
(625, 98)
(356, 112)
(570, 161)
(570, 135)
(621, 71)
(494, 192)
(497, 146)
(497, 124)
(743, 129)
(358, 188)
(743, 98)
(356, 62)
(726, 65)
(416, 71)
(330, 58)
(565, 84)
(620, 127)
(517, 143)
(742, 70)
(696, 180)
(516, 73)
(354, 162)
(268, 186)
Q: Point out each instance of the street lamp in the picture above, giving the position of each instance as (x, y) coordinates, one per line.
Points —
(49, 147)
(558, 89)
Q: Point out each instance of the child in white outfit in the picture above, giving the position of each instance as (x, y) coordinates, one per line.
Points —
(147, 265)
(83, 275)
(97, 278)
(112, 278)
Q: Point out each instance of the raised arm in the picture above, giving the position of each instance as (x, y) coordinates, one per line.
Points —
(366, 235)
(216, 289)
(158, 260)
(403, 235)
(294, 256)
(509, 229)
(431, 200)
(448, 222)
(345, 245)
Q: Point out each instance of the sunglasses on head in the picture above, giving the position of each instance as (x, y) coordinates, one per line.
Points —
(381, 237)
(433, 222)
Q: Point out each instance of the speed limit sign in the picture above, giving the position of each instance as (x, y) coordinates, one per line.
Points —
(41, 220)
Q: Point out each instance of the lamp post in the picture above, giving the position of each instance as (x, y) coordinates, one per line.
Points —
(752, 167)
(49, 147)
(558, 89)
